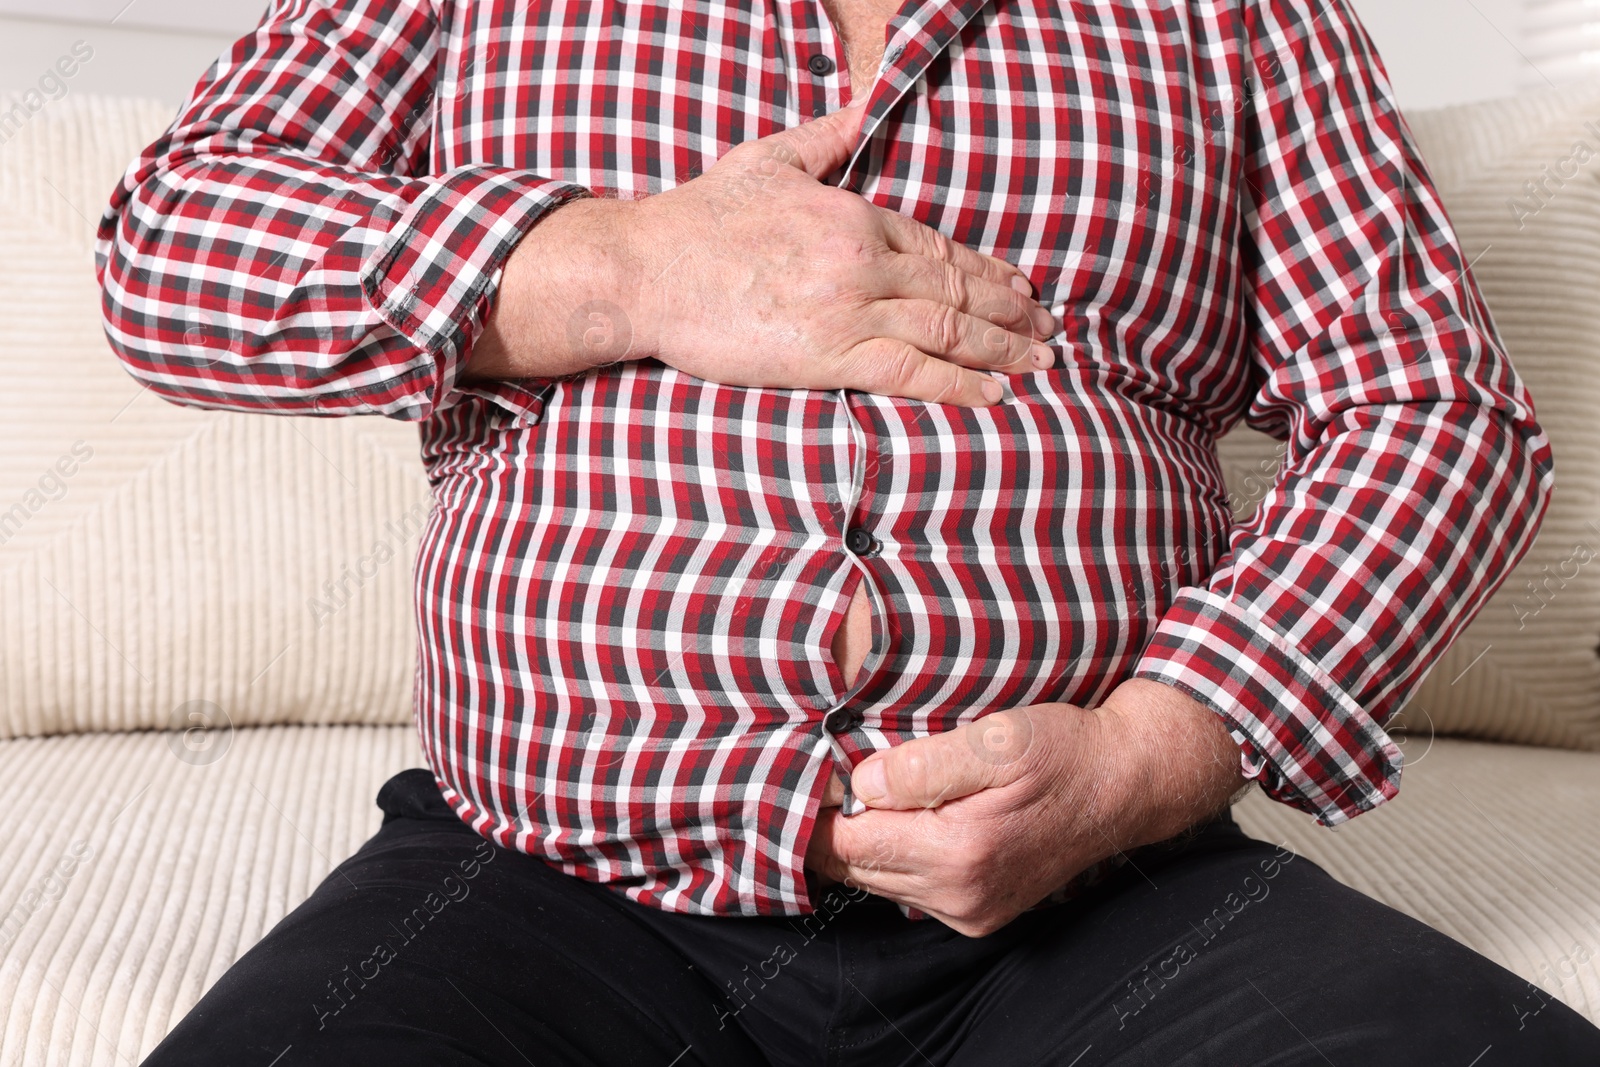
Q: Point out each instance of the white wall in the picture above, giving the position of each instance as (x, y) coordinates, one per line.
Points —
(1449, 51)
(1437, 51)
(126, 60)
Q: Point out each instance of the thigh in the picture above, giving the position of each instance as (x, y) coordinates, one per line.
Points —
(1228, 951)
(432, 946)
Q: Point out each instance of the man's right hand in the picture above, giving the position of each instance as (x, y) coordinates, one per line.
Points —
(758, 274)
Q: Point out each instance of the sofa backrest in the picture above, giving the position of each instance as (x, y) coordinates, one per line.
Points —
(161, 566)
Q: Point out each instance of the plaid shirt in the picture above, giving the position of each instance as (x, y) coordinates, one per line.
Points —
(629, 583)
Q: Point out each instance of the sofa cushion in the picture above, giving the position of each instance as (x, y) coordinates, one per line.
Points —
(152, 556)
(1492, 844)
(1528, 667)
(129, 899)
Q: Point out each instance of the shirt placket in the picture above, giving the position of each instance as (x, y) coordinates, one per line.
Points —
(815, 55)
(860, 544)
(914, 38)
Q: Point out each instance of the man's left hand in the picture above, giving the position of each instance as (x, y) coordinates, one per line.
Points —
(977, 825)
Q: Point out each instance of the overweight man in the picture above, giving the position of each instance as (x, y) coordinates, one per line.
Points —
(836, 647)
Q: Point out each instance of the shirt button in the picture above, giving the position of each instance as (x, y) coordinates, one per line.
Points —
(861, 542)
(842, 720)
(820, 65)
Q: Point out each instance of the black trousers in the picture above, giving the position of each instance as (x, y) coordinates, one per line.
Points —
(433, 947)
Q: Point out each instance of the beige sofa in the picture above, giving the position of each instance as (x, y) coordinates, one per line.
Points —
(206, 632)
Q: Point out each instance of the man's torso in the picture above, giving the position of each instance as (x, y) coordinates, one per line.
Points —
(630, 590)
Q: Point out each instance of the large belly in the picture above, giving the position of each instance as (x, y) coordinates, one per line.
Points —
(665, 550)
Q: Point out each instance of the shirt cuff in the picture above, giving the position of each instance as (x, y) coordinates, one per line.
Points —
(1300, 735)
(434, 277)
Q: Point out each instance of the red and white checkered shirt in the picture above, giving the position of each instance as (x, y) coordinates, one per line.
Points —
(628, 587)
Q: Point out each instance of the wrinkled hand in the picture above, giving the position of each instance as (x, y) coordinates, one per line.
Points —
(758, 274)
(977, 825)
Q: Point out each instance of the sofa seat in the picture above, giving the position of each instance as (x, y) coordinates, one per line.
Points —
(135, 878)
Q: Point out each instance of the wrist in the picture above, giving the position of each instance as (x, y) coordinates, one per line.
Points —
(623, 256)
(646, 248)
(563, 306)
(1178, 764)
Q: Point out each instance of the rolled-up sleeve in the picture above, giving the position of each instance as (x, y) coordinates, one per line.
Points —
(1415, 474)
(283, 247)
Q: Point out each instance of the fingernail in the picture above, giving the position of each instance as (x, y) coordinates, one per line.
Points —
(1044, 322)
(870, 780)
(992, 390)
(1043, 358)
(1021, 285)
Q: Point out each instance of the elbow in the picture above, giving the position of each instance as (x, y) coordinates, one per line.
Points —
(141, 341)
(1530, 455)
(1537, 461)
(204, 324)
(154, 375)
(1523, 484)
(161, 341)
